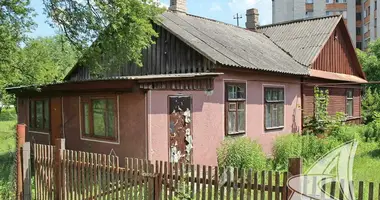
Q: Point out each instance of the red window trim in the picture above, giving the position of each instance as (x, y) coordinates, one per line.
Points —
(88, 99)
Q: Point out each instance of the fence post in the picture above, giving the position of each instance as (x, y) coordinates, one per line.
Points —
(26, 165)
(20, 142)
(58, 172)
(294, 168)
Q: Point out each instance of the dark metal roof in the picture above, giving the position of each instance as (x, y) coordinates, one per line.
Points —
(302, 39)
(230, 45)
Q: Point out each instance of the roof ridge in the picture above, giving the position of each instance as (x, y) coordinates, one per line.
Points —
(214, 20)
(299, 20)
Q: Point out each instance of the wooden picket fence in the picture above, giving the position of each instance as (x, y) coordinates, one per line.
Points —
(67, 174)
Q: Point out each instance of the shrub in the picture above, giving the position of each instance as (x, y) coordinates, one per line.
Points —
(286, 147)
(309, 147)
(371, 131)
(370, 105)
(241, 152)
(348, 133)
(8, 114)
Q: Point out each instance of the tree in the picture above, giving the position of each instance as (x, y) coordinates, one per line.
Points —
(370, 61)
(116, 30)
(15, 22)
(42, 60)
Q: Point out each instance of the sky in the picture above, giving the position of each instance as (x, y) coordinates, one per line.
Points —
(221, 10)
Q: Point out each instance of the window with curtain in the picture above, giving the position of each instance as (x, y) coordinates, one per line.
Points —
(235, 108)
(99, 117)
(274, 107)
(39, 115)
(349, 102)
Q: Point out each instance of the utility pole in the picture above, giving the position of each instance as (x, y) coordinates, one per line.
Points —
(237, 17)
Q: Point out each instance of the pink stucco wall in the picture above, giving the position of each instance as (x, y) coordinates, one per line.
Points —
(208, 115)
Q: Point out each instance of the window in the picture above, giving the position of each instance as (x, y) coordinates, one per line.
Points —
(359, 45)
(358, 2)
(274, 107)
(341, 1)
(329, 1)
(99, 117)
(235, 108)
(375, 5)
(349, 103)
(358, 16)
(39, 114)
(329, 13)
(358, 30)
(309, 14)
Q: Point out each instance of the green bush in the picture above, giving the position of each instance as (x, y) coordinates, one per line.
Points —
(8, 114)
(309, 147)
(242, 153)
(370, 105)
(348, 133)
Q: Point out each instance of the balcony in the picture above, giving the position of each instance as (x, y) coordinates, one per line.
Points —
(336, 6)
(309, 7)
(359, 8)
(366, 20)
(358, 38)
(366, 35)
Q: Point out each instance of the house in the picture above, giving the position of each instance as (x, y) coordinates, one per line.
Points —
(201, 82)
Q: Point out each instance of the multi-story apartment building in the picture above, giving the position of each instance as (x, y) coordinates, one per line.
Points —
(360, 16)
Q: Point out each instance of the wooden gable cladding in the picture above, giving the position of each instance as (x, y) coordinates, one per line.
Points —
(338, 54)
(169, 55)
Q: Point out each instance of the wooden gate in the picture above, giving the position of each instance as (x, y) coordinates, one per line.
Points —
(180, 129)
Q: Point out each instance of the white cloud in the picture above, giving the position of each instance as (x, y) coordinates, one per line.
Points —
(215, 7)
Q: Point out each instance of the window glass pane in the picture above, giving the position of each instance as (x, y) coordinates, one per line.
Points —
(231, 122)
(32, 114)
(99, 112)
(240, 92)
(268, 94)
(268, 118)
(281, 94)
(86, 119)
(274, 116)
(110, 118)
(39, 114)
(349, 94)
(232, 92)
(47, 114)
(280, 115)
(232, 106)
(241, 121)
(350, 106)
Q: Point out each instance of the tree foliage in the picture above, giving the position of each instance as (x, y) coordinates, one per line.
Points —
(42, 60)
(116, 30)
(370, 61)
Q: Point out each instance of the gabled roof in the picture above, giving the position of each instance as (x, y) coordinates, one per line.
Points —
(303, 39)
(230, 45)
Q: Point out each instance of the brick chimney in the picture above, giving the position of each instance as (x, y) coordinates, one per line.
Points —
(178, 6)
(252, 19)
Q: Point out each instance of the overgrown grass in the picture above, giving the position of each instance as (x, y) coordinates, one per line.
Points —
(7, 159)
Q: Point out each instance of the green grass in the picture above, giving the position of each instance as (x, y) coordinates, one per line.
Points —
(7, 156)
(367, 162)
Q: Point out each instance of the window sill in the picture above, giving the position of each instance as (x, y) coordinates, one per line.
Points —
(43, 132)
(100, 140)
(236, 134)
(274, 128)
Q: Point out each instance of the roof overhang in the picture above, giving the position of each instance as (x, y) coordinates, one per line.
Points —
(336, 76)
(120, 83)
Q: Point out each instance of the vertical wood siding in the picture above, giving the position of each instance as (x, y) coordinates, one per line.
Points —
(169, 55)
(337, 56)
